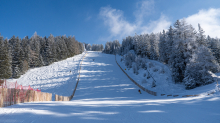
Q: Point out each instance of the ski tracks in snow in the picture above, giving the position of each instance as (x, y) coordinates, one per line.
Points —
(105, 94)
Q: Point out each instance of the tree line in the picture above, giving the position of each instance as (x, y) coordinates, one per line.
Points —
(94, 47)
(18, 55)
(190, 54)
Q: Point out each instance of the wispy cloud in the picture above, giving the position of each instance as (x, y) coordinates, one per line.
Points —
(120, 28)
(116, 23)
(209, 21)
(144, 8)
(88, 18)
(157, 26)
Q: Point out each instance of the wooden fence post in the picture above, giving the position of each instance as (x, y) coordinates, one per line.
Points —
(56, 97)
(1, 97)
(49, 97)
(10, 96)
(7, 97)
(36, 99)
(15, 95)
(19, 101)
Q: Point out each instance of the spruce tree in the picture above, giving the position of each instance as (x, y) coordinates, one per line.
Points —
(162, 48)
(197, 70)
(154, 51)
(182, 49)
(16, 58)
(169, 44)
(201, 38)
(5, 61)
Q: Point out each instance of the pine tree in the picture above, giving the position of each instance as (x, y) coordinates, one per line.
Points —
(5, 65)
(162, 48)
(182, 49)
(8, 60)
(154, 52)
(201, 38)
(51, 49)
(169, 44)
(146, 46)
(215, 48)
(197, 70)
(16, 58)
(26, 50)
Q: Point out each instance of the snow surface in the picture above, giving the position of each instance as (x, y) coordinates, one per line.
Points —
(55, 78)
(105, 94)
(164, 82)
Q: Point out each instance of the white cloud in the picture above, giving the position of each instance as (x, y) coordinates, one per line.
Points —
(144, 8)
(120, 28)
(115, 21)
(157, 26)
(209, 21)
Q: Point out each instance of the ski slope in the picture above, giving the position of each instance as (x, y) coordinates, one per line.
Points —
(58, 78)
(105, 94)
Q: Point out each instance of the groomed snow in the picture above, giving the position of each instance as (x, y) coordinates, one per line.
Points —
(105, 94)
(58, 78)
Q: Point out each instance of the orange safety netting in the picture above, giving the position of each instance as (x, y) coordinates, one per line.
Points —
(12, 93)
(15, 85)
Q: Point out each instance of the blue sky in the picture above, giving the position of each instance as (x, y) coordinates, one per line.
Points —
(98, 21)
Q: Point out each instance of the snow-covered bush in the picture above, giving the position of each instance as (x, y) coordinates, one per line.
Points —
(139, 61)
(134, 67)
(145, 74)
(129, 58)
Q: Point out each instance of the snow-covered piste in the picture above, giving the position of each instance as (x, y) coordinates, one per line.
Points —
(105, 94)
(58, 78)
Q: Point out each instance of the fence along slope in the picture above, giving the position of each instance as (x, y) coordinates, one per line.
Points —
(155, 93)
(141, 87)
(68, 98)
(11, 96)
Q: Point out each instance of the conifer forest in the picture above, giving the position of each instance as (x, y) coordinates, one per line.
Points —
(189, 53)
(18, 55)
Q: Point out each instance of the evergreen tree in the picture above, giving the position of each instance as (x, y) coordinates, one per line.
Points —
(201, 38)
(197, 70)
(146, 46)
(5, 61)
(26, 50)
(16, 58)
(162, 48)
(184, 43)
(154, 53)
(169, 44)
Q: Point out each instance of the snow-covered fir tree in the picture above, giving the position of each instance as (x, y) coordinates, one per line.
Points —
(163, 47)
(154, 51)
(197, 70)
(5, 61)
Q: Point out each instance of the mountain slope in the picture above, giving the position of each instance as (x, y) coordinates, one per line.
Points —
(105, 94)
